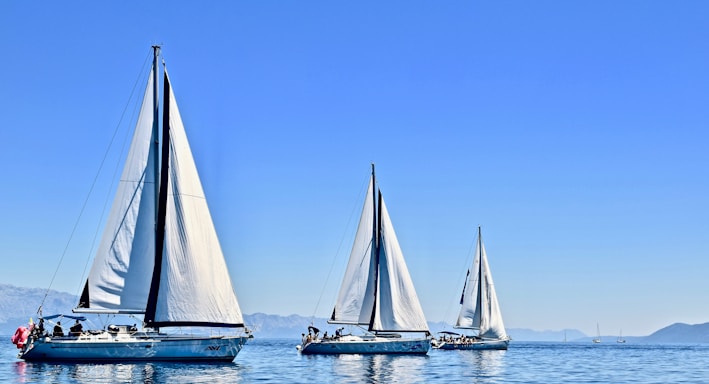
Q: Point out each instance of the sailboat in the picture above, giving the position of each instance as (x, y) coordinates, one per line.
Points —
(620, 339)
(376, 292)
(159, 258)
(597, 339)
(479, 310)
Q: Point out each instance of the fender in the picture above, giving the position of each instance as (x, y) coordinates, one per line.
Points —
(20, 337)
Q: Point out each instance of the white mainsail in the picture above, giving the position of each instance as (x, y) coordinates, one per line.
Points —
(377, 289)
(479, 306)
(120, 276)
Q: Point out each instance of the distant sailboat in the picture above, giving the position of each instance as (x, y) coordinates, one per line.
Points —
(597, 339)
(376, 293)
(159, 258)
(479, 310)
(620, 340)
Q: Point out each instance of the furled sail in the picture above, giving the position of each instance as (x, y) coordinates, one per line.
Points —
(398, 307)
(120, 276)
(480, 308)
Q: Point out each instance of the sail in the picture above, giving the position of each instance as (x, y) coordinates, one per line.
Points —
(356, 297)
(120, 276)
(194, 286)
(398, 307)
(480, 308)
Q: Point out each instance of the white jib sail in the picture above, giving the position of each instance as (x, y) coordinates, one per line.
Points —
(194, 285)
(356, 296)
(398, 307)
(120, 276)
(480, 308)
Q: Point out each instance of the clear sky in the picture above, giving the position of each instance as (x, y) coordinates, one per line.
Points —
(573, 132)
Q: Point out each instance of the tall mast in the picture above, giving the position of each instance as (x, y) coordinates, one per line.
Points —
(376, 236)
(161, 202)
(156, 126)
(480, 277)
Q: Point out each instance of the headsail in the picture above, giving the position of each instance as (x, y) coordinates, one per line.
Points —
(356, 298)
(480, 308)
(119, 279)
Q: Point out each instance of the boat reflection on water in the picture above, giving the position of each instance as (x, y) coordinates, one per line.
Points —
(27, 372)
(379, 368)
(487, 363)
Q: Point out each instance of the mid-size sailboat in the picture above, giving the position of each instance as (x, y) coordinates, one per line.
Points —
(377, 293)
(479, 310)
(159, 258)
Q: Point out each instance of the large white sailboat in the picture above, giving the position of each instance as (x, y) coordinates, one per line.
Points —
(377, 293)
(479, 310)
(159, 258)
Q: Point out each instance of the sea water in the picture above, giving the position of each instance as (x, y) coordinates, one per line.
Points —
(277, 361)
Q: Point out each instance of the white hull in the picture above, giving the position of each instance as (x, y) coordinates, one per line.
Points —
(366, 345)
(106, 347)
(474, 345)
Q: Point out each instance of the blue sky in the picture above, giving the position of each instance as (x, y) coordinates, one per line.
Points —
(574, 132)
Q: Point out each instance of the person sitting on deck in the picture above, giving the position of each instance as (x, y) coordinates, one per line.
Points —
(40, 328)
(76, 329)
(58, 331)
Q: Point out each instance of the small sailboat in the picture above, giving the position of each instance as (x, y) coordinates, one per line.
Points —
(620, 339)
(597, 339)
(479, 310)
(159, 258)
(376, 292)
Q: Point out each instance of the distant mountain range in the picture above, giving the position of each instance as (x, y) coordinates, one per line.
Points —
(18, 304)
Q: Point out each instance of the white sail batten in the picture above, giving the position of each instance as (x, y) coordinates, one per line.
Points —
(120, 276)
(195, 286)
(480, 308)
(356, 297)
(398, 307)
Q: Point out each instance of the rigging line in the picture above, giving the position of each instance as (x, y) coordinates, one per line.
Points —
(116, 169)
(342, 240)
(81, 212)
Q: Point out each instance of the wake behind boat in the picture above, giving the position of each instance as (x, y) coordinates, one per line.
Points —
(159, 258)
(376, 293)
(479, 310)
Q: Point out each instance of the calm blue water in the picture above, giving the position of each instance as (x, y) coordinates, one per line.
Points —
(277, 361)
